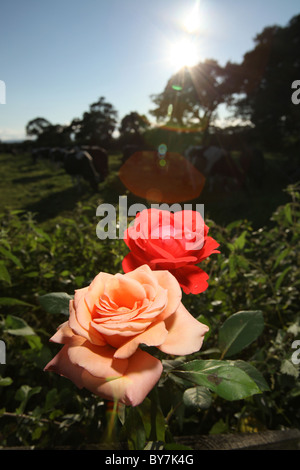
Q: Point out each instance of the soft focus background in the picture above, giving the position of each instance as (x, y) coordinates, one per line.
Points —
(158, 80)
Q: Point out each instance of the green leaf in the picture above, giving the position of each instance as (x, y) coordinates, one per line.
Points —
(4, 274)
(17, 326)
(281, 277)
(287, 367)
(233, 263)
(220, 427)
(8, 254)
(9, 301)
(197, 398)
(281, 256)
(288, 213)
(240, 330)
(23, 394)
(153, 420)
(254, 374)
(5, 381)
(56, 302)
(134, 430)
(239, 243)
(41, 233)
(222, 377)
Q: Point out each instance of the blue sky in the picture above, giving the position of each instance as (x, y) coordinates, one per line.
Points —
(57, 57)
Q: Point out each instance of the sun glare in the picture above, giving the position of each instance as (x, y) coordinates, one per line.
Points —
(184, 53)
(191, 23)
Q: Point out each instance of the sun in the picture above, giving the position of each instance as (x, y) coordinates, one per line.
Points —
(184, 53)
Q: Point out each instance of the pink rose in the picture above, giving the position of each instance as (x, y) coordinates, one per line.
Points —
(172, 241)
(108, 322)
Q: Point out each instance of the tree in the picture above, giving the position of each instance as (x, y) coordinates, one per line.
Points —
(97, 125)
(37, 127)
(192, 96)
(263, 82)
(132, 128)
(47, 134)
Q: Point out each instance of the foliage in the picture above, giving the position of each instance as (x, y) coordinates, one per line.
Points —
(191, 97)
(96, 125)
(132, 129)
(48, 134)
(243, 378)
(263, 84)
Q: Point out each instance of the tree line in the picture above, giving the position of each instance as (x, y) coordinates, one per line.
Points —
(257, 91)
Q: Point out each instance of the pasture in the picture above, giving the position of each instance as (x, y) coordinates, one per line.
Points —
(48, 192)
(49, 244)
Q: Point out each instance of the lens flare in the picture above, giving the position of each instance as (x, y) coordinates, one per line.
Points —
(161, 178)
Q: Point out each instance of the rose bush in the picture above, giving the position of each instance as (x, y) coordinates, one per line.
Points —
(176, 242)
(108, 322)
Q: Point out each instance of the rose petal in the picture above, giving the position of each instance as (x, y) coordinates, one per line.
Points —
(170, 283)
(90, 333)
(131, 262)
(144, 275)
(141, 376)
(65, 334)
(97, 360)
(62, 365)
(154, 336)
(83, 315)
(169, 264)
(124, 291)
(186, 334)
(96, 289)
(210, 247)
(192, 279)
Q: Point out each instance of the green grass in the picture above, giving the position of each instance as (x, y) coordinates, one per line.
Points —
(48, 192)
(45, 190)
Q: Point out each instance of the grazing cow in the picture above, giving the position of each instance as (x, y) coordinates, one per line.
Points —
(100, 160)
(79, 163)
(57, 155)
(41, 152)
(217, 166)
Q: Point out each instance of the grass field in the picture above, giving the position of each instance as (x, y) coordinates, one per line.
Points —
(48, 192)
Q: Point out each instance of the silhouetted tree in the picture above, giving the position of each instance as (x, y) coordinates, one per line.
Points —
(192, 96)
(263, 82)
(132, 128)
(47, 134)
(37, 127)
(97, 125)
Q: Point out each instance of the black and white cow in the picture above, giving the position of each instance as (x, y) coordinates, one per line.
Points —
(100, 160)
(217, 165)
(78, 163)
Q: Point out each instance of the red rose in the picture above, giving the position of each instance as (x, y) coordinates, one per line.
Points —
(176, 242)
